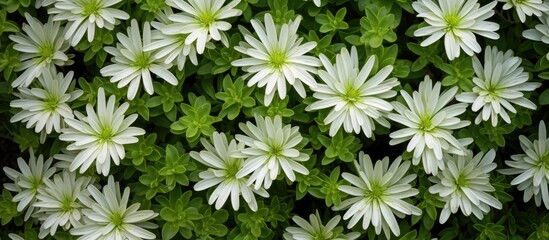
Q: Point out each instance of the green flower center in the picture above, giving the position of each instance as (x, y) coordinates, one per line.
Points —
(142, 61)
(452, 21)
(275, 151)
(36, 184)
(117, 220)
(376, 192)
(67, 204)
(51, 103)
(206, 18)
(105, 134)
(426, 123)
(46, 51)
(232, 169)
(90, 7)
(278, 59)
(351, 95)
(544, 161)
(461, 181)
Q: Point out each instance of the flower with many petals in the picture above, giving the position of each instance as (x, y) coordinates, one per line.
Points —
(532, 167)
(222, 169)
(355, 99)
(270, 147)
(101, 135)
(46, 108)
(377, 194)
(84, 16)
(277, 57)
(27, 182)
(58, 202)
(202, 20)
(457, 21)
(498, 85)
(465, 183)
(133, 65)
(315, 230)
(429, 125)
(109, 218)
(526, 7)
(42, 48)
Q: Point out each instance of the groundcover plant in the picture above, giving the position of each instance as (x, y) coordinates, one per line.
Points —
(274, 119)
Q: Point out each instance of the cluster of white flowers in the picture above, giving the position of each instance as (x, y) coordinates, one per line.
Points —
(355, 97)
(267, 149)
(61, 199)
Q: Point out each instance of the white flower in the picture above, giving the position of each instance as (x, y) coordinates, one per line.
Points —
(428, 125)
(27, 182)
(378, 193)
(42, 48)
(84, 15)
(46, 108)
(540, 31)
(315, 230)
(58, 204)
(526, 7)
(356, 101)
(222, 169)
(464, 184)
(132, 63)
(532, 167)
(202, 20)
(458, 21)
(498, 85)
(109, 218)
(276, 57)
(170, 47)
(271, 145)
(101, 135)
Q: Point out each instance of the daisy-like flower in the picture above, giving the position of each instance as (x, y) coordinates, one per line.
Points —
(27, 182)
(465, 183)
(46, 108)
(526, 7)
(271, 145)
(109, 218)
(170, 46)
(85, 15)
(540, 32)
(132, 63)
(42, 48)
(378, 193)
(58, 204)
(458, 21)
(101, 135)
(429, 125)
(276, 57)
(221, 172)
(498, 85)
(356, 101)
(203, 20)
(315, 230)
(532, 167)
